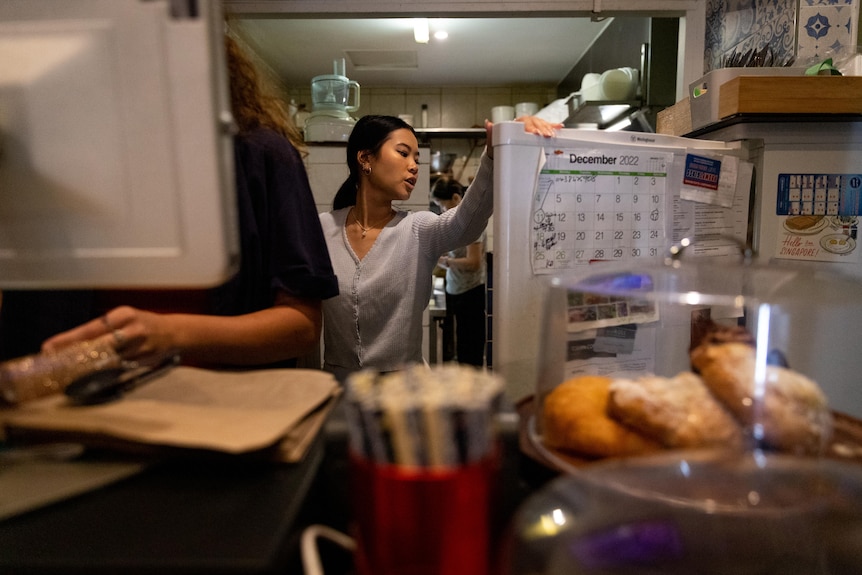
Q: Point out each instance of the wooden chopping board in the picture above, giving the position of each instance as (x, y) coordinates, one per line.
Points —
(790, 95)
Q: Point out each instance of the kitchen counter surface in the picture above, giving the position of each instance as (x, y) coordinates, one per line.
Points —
(174, 517)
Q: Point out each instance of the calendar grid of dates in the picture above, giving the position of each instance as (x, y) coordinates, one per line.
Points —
(585, 215)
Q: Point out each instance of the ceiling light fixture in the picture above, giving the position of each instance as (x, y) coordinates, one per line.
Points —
(441, 34)
(420, 30)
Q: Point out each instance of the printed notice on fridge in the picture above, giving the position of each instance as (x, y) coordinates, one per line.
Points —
(717, 231)
(626, 351)
(818, 217)
(597, 309)
(710, 179)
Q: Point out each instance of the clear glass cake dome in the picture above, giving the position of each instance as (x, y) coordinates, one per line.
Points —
(696, 513)
(705, 418)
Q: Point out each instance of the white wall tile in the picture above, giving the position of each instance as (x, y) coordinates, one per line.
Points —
(458, 108)
(413, 101)
(388, 101)
(487, 98)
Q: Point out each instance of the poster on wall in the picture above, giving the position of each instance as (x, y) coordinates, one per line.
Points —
(818, 217)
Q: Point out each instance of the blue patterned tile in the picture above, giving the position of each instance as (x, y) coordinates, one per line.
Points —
(736, 26)
(804, 3)
(825, 31)
(713, 52)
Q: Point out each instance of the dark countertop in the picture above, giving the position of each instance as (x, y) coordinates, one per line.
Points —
(220, 516)
(174, 517)
(793, 122)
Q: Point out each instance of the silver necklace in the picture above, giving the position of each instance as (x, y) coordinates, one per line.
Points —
(369, 228)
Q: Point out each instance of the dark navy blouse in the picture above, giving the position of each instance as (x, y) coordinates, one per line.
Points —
(282, 245)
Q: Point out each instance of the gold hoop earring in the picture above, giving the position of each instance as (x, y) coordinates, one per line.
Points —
(366, 169)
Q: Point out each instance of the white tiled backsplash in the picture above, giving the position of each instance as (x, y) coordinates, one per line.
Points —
(327, 169)
(809, 30)
(465, 107)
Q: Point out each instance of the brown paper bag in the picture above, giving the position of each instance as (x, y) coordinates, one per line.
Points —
(224, 411)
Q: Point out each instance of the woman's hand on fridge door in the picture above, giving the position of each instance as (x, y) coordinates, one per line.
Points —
(532, 125)
(536, 125)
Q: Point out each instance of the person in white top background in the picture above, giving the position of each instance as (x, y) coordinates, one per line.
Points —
(465, 283)
(384, 257)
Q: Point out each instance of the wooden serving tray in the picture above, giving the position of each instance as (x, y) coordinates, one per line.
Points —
(790, 95)
(675, 120)
(846, 441)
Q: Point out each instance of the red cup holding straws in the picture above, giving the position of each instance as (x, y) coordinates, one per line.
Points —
(422, 521)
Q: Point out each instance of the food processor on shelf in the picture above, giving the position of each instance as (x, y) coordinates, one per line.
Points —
(330, 119)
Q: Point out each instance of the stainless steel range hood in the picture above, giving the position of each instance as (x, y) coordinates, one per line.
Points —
(648, 45)
(602, 114)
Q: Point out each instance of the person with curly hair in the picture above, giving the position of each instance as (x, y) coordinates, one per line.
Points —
(269, 313)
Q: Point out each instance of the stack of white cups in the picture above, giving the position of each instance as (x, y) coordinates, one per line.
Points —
(502, 114)
(614, 84)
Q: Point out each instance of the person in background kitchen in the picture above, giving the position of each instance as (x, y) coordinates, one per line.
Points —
(465, 282)
(270, 312)
(383, 256)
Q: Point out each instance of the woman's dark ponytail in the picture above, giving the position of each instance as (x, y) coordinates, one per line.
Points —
(346, 194)
(368, 134)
